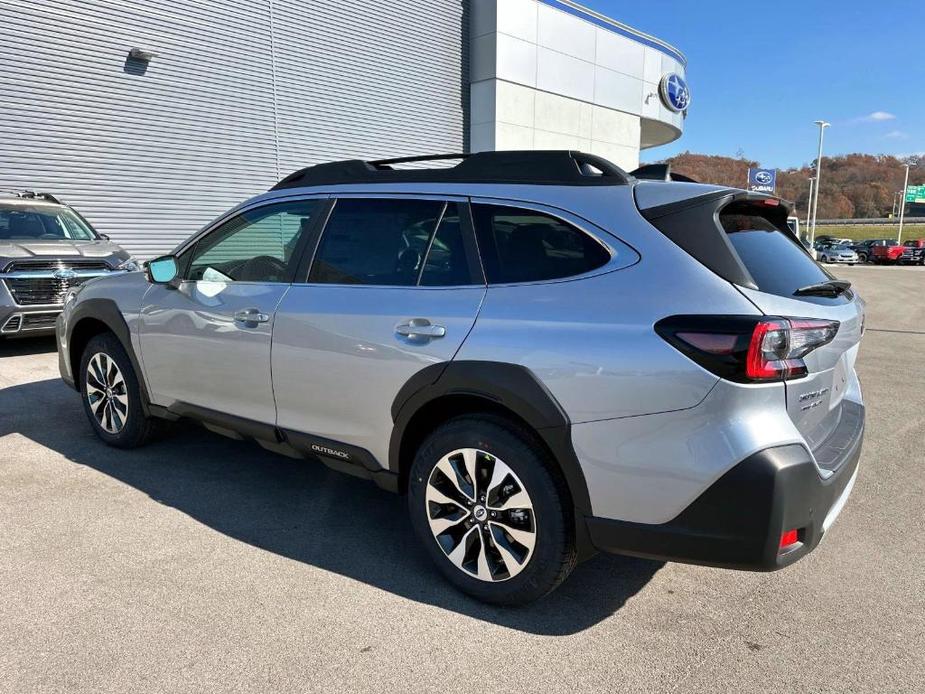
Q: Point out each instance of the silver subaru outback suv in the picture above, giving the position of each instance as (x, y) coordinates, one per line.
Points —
(547, 355)
(46, 248)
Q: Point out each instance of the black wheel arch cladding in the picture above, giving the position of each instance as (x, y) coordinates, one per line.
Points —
(107, 313)
(503, 387)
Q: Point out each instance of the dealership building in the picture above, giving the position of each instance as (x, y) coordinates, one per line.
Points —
(153, 116)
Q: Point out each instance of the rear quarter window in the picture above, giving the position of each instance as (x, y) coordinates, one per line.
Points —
(776, 262)
(521, 245)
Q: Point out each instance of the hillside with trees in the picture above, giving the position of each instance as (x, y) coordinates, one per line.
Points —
(853, 185)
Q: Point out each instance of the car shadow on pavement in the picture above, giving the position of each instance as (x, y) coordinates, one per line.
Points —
(24, 346)
(303, 511)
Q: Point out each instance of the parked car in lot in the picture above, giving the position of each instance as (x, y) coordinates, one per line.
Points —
(823, 238)
(913, 252)
(809, 248)
(862, 248)
(46, 248)
(547, 355)
(836, 253)
(885, 251)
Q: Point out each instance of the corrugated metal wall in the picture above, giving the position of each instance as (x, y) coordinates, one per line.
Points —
(218, 114)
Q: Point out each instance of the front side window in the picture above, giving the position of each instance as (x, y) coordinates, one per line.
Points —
(519, 245)
(42, 222)
(391, 242)
(255, 246)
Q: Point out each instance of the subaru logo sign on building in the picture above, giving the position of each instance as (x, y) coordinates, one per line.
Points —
(762, 180)
(674, 92)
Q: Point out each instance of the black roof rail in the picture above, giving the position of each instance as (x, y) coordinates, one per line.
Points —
(32, 195)
(659, 172)
(538, 167)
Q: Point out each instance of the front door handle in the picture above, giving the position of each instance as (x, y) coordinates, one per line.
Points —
(251, 315)
(420, 329)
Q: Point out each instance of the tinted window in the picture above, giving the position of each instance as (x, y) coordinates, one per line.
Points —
(776, 263)
(42, 222)
(446, 264)
(525, 246)
(376, 242)
(255, 246)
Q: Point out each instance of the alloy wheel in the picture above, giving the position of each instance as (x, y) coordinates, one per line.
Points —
(107, 393)
(481, 515)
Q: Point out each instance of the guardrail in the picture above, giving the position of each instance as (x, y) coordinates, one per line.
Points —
(868, 222)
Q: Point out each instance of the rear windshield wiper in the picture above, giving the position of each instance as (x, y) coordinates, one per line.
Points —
(830, 288)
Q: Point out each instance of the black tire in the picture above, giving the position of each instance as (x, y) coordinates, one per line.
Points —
(137, 428)
(554, 553)
(862, 257)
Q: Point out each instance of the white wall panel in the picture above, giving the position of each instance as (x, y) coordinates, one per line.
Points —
(576, 56)
(565, 33)
(518, 18)
(563, 74)
(216, 117)
(619, 53)
(515, 60)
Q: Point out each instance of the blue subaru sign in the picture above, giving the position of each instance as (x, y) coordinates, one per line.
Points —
(674, 92)
(762, 180)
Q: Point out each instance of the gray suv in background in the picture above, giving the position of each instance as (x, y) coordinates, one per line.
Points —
(547, 355)
(46, 248)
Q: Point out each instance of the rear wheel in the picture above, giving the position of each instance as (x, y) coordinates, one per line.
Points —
(111, 394)
(862, 257)
(491, 511)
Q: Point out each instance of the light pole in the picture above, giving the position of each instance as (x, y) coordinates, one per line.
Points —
(822, 126)
(809, 202)
(902, 206)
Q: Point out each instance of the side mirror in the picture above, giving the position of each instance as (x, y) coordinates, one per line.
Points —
(105, 237)
(163, 270)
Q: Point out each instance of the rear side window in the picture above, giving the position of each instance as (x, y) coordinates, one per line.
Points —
(392, 242)
(776, 263)
(519, 245)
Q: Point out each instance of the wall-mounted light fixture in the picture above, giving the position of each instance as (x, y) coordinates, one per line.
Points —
(142, 55)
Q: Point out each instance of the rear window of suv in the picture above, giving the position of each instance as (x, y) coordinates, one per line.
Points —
(772, 256)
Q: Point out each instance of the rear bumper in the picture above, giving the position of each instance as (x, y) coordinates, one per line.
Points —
(738, 521)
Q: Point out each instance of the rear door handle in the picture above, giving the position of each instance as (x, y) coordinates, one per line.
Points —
(420, 329)
(251, 315)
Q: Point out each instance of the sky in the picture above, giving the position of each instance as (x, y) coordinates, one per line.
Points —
(761, 72)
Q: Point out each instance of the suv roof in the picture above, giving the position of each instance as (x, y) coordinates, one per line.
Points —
(29, 196)
(536, 167)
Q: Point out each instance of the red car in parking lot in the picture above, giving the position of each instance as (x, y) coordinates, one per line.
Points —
(913, 252)
(885, 251)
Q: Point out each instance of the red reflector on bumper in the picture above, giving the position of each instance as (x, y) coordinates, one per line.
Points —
(791, 537)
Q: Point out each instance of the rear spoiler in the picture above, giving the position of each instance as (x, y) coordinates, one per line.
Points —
(659, 172)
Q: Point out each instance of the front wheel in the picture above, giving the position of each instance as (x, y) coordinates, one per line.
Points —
(862, 257)
(492, 511)
(111, 394)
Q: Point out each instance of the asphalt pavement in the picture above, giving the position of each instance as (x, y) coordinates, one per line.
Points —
(202, 564)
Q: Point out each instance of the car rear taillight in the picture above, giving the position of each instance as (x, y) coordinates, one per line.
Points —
(788, 538)
(748, 348)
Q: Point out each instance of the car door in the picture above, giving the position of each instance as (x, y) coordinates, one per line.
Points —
(394, 286)
(205, 344)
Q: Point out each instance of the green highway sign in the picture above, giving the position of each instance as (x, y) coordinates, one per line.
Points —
(915, 194)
